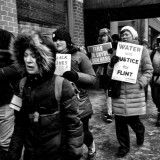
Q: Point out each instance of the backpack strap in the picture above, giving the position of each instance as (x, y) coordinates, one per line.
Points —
(21, 85)
(58, 89)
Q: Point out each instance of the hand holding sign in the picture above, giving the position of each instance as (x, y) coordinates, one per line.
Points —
(129, 59)
(114, 60)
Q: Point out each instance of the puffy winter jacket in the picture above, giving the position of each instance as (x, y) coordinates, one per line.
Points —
(132, 96)
(57, 133)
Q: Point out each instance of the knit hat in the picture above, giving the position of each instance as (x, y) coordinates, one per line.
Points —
(62, 34)
(104, 31)
(131, 30)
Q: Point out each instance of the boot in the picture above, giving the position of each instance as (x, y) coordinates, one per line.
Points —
(158, 120)
(122, 152)
(91, 152)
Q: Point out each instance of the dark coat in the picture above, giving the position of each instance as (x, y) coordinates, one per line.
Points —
(9, 77)
(44, 139)
(58, 133)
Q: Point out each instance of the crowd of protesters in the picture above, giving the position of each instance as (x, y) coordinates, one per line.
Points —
(46, 116)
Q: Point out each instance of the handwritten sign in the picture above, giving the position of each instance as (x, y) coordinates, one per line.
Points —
(126, 69)
(100, 53)
(63, 63)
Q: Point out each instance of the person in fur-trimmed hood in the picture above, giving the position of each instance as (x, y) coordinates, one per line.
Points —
(131, 102)
(46, 130)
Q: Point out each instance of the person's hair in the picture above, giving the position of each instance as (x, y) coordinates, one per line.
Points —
(100, 38)
(6, 39)
(115, 37)
(42, 48)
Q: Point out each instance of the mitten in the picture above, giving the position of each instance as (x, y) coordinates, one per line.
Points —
(71, 76)
(114, 60)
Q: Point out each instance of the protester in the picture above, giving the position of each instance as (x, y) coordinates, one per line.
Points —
(155, 82)
(47, 128)
(8, 78)
(131, 102)
(83, 75)
(105, 37)
(145, 44)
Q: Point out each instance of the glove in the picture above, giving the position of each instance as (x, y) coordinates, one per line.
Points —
(114, 60)
(71, 76)
(110, 51)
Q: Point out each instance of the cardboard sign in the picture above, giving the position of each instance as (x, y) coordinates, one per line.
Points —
(100, 53)
(126, 69)
(63, 63)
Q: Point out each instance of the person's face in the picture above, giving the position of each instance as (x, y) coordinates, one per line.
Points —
(60, 45)
(104, 38)
(30, 62)
(126, 36)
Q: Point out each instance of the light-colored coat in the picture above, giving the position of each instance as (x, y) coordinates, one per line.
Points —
(132, 99)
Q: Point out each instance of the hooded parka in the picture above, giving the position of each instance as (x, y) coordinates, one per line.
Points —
(58, 132)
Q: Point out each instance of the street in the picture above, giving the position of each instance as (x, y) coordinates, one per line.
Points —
(105, 136)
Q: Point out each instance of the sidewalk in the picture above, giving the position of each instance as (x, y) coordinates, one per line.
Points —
(105, 136)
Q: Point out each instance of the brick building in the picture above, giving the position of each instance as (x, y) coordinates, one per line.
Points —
(43, 15)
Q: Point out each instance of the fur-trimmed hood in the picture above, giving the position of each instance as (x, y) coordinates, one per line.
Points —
(40, 45)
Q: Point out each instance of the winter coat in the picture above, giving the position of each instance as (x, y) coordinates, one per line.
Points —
(132, 96)
(9, 77)
(156, 66)
(43, 140)
(87, 78)
(57, 132)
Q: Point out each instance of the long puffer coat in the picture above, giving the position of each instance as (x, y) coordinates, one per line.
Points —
(132, 96)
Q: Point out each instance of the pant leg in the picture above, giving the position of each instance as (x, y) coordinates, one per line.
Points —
(109, 103)
(137, 127)
(122, 132)
(157, 103)
(88, 137)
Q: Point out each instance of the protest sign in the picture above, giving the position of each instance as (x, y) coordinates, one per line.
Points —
(126, 69)
(63, 63)
(100, 53)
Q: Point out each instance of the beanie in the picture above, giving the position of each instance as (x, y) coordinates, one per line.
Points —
(104, 31)
(62, 34)
(131, 30)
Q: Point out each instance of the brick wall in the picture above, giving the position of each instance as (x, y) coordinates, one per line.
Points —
(78, 31)
(8, 16)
